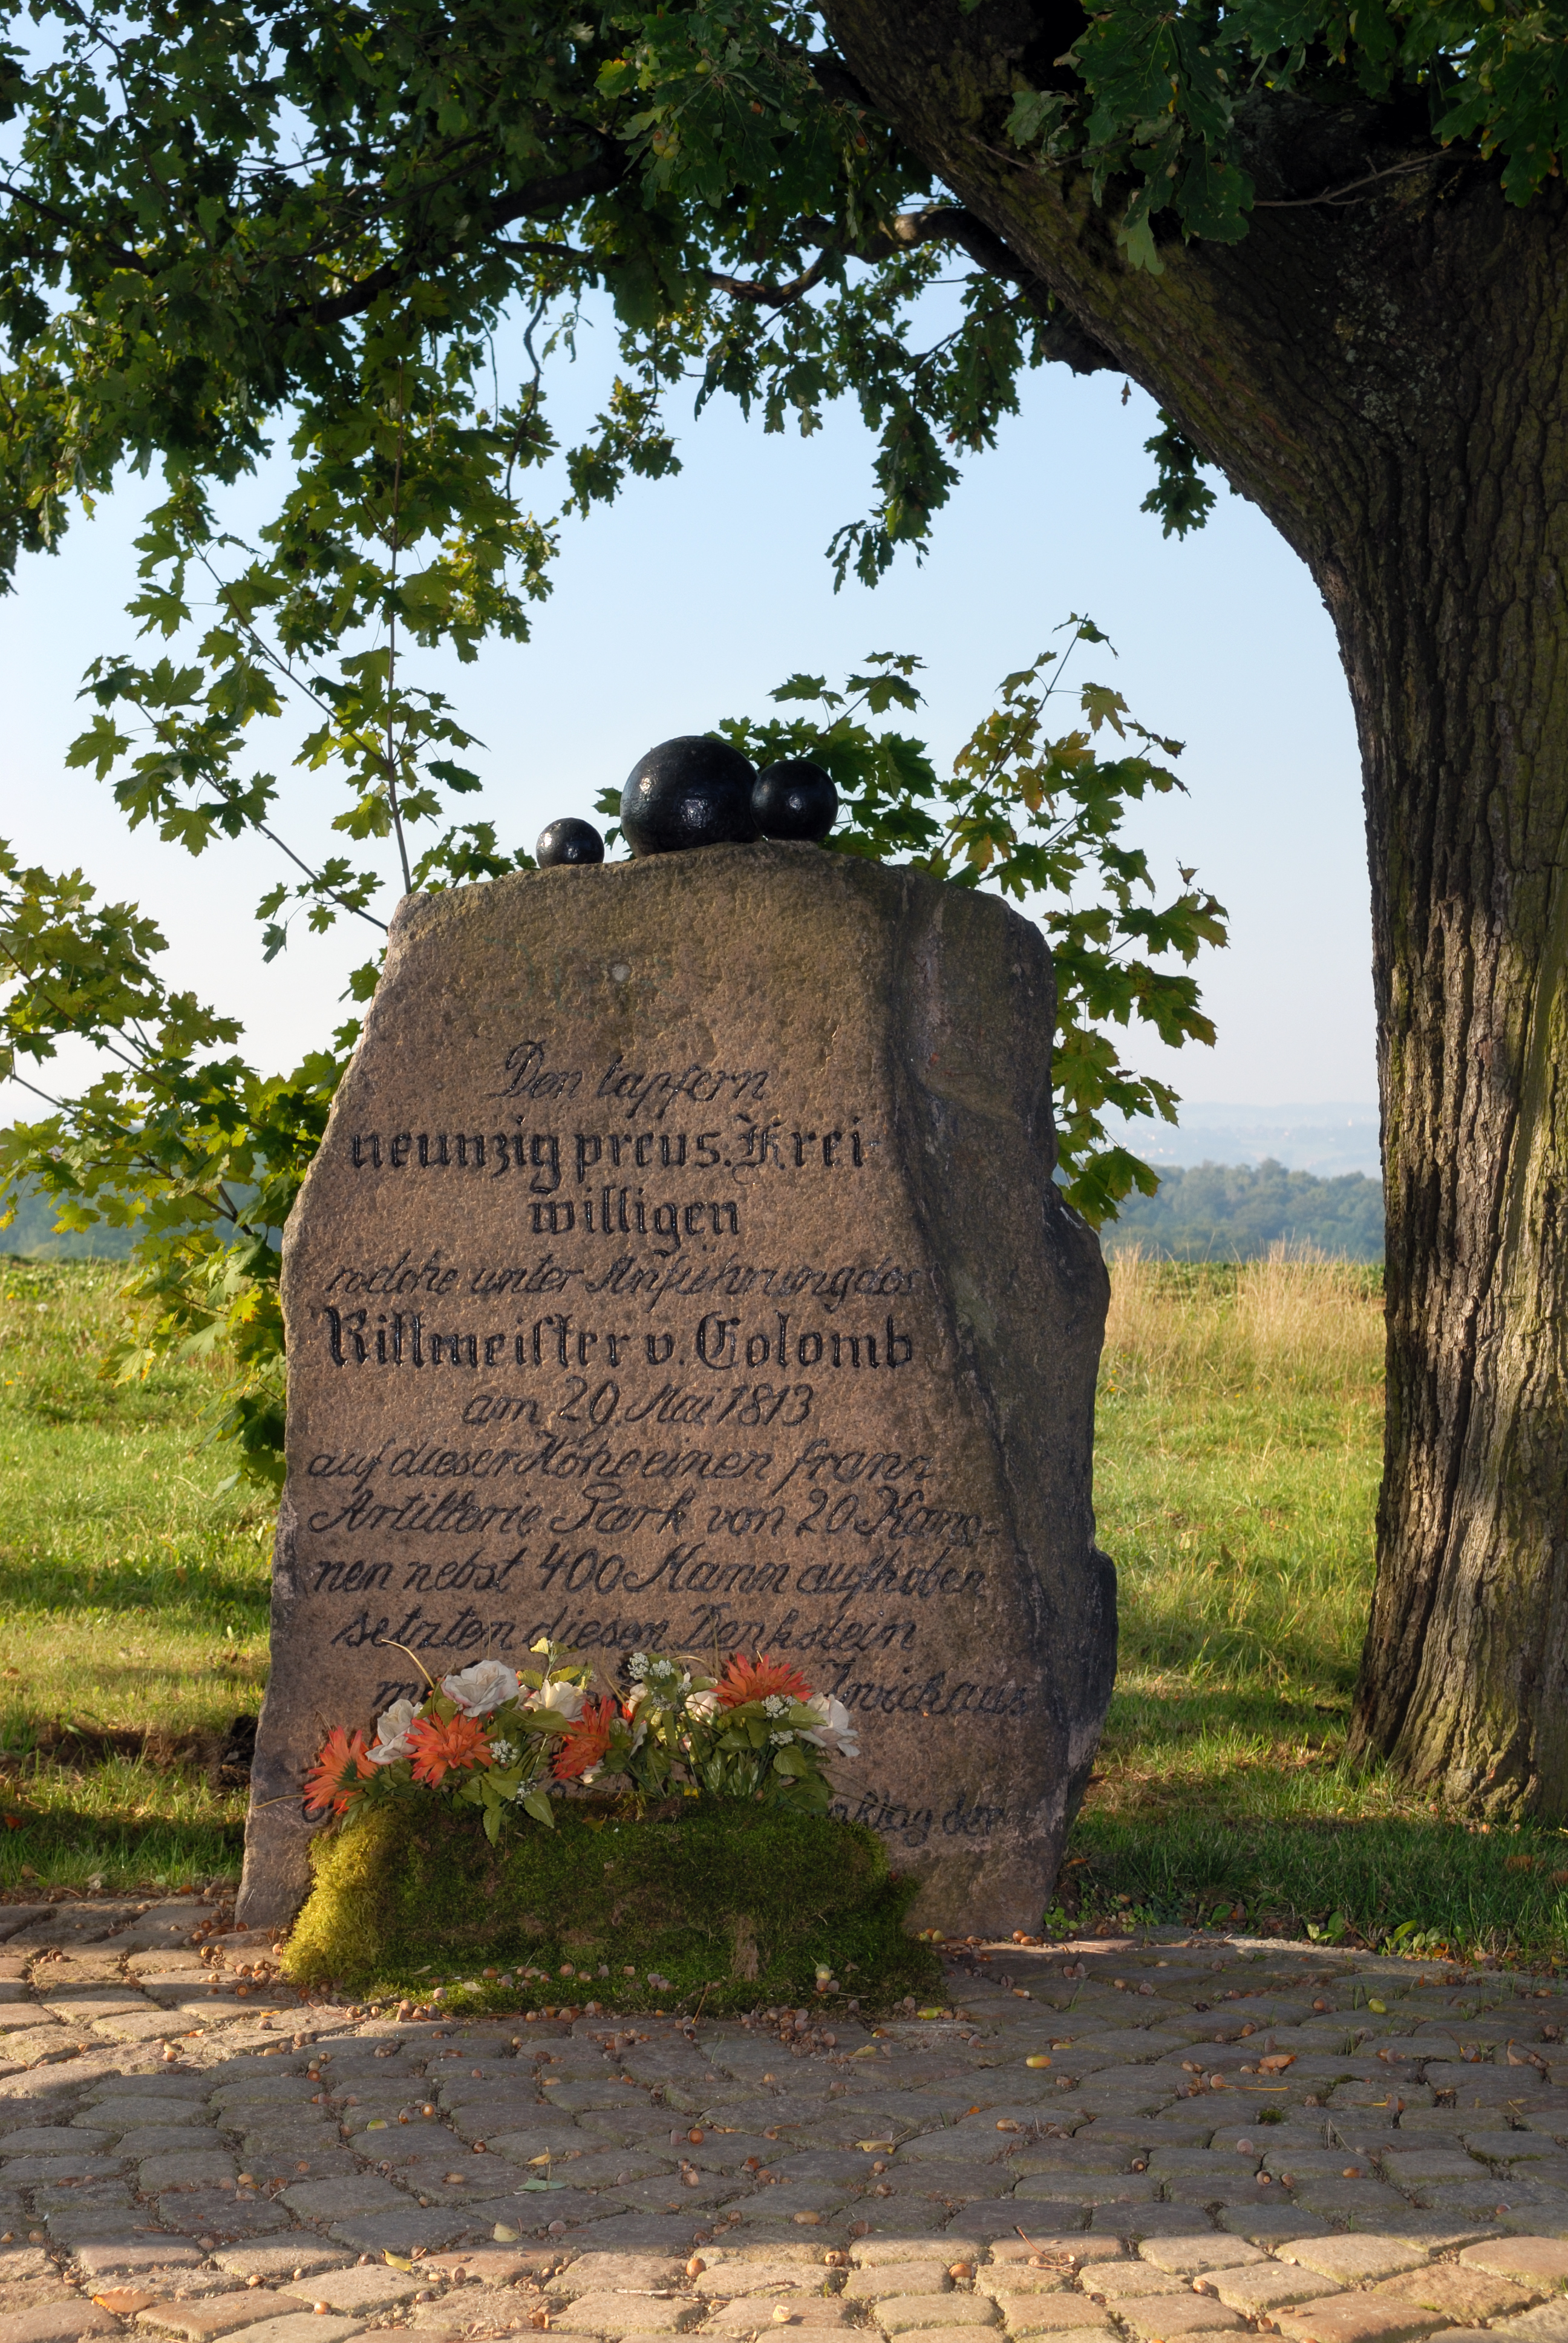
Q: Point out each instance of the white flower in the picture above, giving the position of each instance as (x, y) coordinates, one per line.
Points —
(503, 1751)
(782, 1740)
(392, 1732)
(836, 1733)
(776, 1705)
(487, 1684)
(703, 1704)
(638, 1664)
(561, 1698)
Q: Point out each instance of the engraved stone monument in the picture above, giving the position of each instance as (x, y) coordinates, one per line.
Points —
(682, 1268)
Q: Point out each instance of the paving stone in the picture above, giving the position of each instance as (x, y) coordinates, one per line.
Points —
(1049, 2314)
(400, 2229)
(1272, 2226)
(361, 2292)
(1354, 2260)
(1548, 2323)
(1356, 2318)
(119, 2112)
(1539, 2262)
(748, 2314)
(1364, 2201)
(1114, 2279)
(329, 2200)
(1143, 2220)
(1264, 2286)
(632, 2313)
(1155, 2318)
(1469, 2298)
(179, 2171)
(299, 2253)
(1011, 2278)
(298, 2327)
(1186, 2257)
(892, 2279)
(24, 2171)
(56, 2322)
(902, 2314)
(217, 2314)
(131, 2258)
(222, 2212)
(595, 2271)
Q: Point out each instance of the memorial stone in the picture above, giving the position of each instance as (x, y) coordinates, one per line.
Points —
(682, 1268)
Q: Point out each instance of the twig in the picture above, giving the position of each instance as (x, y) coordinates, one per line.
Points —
(393, 805)
(1338, 194)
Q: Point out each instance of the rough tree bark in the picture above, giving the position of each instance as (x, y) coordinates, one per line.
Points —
(1380, 368)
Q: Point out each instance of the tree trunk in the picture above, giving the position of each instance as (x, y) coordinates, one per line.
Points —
(1385, 377)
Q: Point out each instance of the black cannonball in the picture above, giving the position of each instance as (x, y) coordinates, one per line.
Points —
(568, 841)
(689, 791)
(795, 798)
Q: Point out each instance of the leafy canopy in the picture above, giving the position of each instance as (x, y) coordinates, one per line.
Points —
(365, 240)
(183, 1141)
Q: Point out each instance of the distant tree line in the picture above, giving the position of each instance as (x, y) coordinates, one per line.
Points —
(1236, 1212)
(1212, 1212)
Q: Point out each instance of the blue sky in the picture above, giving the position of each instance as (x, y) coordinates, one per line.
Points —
(689, 600)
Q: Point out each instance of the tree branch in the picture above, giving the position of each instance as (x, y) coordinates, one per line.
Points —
(1064, 339)
(595, 179)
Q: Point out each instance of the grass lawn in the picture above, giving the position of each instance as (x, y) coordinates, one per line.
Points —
(132, 1593)
(1239, 1447)
(1237, 1454)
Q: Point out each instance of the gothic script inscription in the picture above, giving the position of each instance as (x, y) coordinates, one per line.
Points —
(619, 1311)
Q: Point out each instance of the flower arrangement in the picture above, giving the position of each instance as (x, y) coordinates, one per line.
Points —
(508, 1741)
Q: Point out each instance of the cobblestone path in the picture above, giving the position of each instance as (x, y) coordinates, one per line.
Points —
(1112, 2144)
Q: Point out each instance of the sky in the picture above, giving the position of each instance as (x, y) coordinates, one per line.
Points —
(689, 600)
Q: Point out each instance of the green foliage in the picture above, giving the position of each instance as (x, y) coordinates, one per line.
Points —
(184, 1144)
(1161, 96)
(1039, 819)
(1179, 499)
(728, 1905)
(1236, 1212)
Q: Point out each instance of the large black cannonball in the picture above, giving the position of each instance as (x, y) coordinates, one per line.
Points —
(795, 798)
(568, 841)
(689, 791)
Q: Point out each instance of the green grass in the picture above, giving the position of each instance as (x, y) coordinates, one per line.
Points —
(1238, 1449)
(133, 1592)
(1236, 1473)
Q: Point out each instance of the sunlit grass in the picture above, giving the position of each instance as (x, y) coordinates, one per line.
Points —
(1239, 1448)
(1236, 1473)
(133, 1589)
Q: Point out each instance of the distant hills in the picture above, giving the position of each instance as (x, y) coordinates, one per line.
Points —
(1237, 1211)
(1203, 1211)
(1328, 1138)
(32, 1232)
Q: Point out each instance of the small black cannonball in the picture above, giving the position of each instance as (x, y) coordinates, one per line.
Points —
(568, 841)
(689, 791)
(795, 798)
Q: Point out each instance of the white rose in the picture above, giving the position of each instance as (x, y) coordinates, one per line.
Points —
(487, 1684)
(392, 1732)
(836, 1731)
(703, 1704)
(565, 1699)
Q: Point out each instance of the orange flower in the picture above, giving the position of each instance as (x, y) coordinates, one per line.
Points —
(439, 1747)
(584, 1744)
(760, 1679)
(341, 1765)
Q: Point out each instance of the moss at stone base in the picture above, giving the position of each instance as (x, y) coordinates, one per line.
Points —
(733, 1904)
